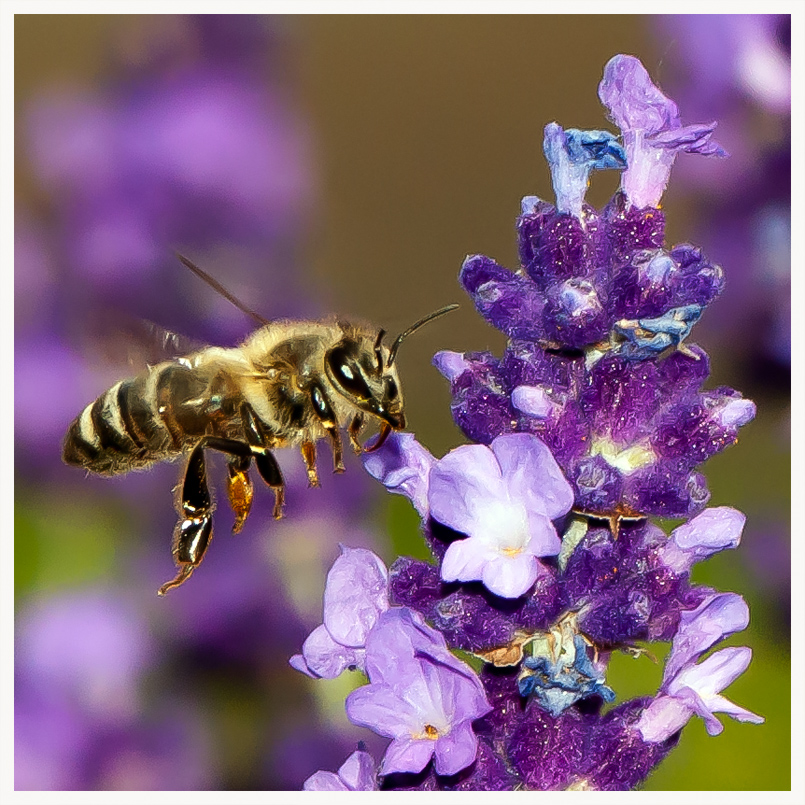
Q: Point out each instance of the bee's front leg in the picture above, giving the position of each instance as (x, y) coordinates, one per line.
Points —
(194, 530)
(309, 456)
(353, 431)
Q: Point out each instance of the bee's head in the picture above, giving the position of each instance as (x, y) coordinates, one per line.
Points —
(364, 371)
(360, 370)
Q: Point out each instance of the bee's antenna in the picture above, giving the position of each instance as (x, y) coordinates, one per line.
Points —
(414, 327)
(216, 286)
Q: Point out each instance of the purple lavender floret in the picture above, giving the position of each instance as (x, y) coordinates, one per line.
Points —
(420, 696)
(358, 773)
(592, 421)
(355, 596)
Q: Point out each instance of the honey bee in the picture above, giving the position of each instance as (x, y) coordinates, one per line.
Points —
(291, 383)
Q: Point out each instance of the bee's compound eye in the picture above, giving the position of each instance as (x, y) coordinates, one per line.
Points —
(391, 389)
(347, 373)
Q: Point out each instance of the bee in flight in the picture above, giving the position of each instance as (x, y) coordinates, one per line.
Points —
(291, 383)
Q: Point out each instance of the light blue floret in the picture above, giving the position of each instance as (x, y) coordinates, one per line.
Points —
(647, 338)
(571, 155)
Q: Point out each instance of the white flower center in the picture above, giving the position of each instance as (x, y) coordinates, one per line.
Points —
(628, 459)
(503, 525)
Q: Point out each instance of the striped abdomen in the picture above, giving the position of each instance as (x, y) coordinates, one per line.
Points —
(139, 421)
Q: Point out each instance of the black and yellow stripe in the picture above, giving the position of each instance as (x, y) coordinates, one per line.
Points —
(131, 425)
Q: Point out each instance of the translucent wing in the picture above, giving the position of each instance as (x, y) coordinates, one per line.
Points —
(127, 343)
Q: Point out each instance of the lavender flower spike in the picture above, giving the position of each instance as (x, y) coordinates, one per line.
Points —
(652, 130)
(504, 498)
(572, 154)
(426, 704)
(355, 595)
(358, 773)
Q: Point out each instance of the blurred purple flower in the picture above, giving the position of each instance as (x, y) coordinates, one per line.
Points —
(93, 647)
(191, 143)
(355, 596)
(738, 67)
(359, 773)
(426, 704)
(80, 702)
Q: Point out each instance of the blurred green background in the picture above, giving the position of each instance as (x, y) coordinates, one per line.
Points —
(426, 133)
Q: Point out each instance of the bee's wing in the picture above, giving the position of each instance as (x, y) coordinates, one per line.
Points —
(118, 340)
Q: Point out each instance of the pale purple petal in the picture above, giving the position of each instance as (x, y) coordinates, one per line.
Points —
(297, 662)
(462, 484)
(326, 658)
(358, 771)
(456, 750)
(717, 617)
(652, 130)
(465, 560)
(399, 638)
(544, 541)
(457, 694)
(736, 413)
(324, 781)
(662, 718)
(533, 400)
(714, 530)
(695, 139)
(714, 673)
(699, 707)
(720, 704)
(381, 708)
(532, 474)
(355, 594)
(451, 364)
(631, 97)
(403, 466)
(510, 577)
(407, 755)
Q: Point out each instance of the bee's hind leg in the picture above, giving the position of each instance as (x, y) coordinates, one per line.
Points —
(194, 530)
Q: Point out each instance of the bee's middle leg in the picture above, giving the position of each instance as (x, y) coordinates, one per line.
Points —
(263, 457)
(324, 411)
(193, 532)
